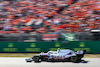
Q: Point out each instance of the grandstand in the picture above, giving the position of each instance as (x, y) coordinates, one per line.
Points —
(29, 20)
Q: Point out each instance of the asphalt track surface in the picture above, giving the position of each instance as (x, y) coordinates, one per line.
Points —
(20, 62)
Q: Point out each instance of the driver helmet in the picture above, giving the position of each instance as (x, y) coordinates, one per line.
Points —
(58, 50)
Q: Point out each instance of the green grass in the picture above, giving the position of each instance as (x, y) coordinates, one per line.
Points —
(17, 54)
(92, 56)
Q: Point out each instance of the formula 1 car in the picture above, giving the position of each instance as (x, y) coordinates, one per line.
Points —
(59, 55)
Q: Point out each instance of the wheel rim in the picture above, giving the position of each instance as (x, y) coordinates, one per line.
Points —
(73, 59)
(36, 59)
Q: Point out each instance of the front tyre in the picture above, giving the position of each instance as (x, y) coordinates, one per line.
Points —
(74, 58)
(36, 58)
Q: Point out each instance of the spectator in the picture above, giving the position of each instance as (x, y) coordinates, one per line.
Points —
(25, 16)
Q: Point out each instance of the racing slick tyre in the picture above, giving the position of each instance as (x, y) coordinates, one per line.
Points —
(47, 60)
(74, 58)
(36, 58)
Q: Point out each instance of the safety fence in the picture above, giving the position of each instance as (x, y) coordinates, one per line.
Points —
(28, 47)
(37, 37)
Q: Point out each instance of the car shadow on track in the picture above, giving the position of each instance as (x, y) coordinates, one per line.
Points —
(82, 61)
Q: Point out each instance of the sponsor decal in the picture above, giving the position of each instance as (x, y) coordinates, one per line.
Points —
(82, 44)
(32, 49)
(69, 53)
(57, 44)
(10, 49)
(10, 45)
(59, 57)
(87, 49)
(33, 45)
(46, 56)
(53, 49)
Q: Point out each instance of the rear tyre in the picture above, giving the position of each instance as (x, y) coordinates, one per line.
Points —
(74, 58)
(36, 58)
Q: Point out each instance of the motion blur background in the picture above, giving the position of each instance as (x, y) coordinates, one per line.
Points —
(37, 25)
(49, 20)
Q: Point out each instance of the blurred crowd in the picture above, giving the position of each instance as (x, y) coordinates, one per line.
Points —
(43, 16)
